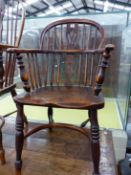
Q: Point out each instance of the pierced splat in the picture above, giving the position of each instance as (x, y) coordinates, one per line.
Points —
(72, 36)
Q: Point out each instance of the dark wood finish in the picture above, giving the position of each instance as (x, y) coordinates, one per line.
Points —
(50, 116)
(83, 124)
(103, 65)
(95, 145)
(57, 125)
(62, 51)
(63, 97)
(12, 14)
(72, 32)
(19, 137)
(64, 73)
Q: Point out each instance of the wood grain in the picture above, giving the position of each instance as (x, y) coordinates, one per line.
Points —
(64, 97)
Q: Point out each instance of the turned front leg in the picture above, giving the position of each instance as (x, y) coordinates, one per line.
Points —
(95, 145)
(14, 93)
(19, 138)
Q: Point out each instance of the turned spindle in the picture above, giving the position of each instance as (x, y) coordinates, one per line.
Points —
(23, 74)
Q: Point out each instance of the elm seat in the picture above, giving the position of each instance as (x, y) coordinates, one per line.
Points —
(67, 71)
(63, 97)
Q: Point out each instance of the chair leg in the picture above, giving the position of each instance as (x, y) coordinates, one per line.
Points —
(95, 145)
(83, 124)
(19, 138)
(2, 151)
(50, 116)
(14, 93)
(25, 120)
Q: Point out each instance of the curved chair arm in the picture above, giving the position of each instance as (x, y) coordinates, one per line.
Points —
(19, 50)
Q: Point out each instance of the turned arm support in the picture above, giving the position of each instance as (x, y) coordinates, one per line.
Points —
(23, 73)
(102, 67)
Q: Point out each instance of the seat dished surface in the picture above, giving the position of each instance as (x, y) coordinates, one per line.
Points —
(64, 97)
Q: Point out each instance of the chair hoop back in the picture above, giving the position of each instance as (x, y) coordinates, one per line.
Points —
(68, 32)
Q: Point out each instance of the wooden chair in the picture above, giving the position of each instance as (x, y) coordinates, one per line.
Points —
(66, 72)
(12, 18)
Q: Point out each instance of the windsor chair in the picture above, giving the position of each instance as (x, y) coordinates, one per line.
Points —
(66, 72)
(12, 18)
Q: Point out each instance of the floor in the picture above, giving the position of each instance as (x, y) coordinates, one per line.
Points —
(61, 152)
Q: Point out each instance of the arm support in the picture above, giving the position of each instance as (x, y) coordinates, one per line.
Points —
(102, 67)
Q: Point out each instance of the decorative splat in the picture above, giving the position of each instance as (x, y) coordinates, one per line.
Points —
(72, 36)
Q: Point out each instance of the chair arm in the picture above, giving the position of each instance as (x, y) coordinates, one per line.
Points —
(19, 51)
(5, 46)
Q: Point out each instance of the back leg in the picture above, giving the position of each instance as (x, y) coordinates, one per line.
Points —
(2, 151)
(50, 116)
(83, 124)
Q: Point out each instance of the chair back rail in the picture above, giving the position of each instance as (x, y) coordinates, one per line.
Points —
(72, 34)
(67, 68)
